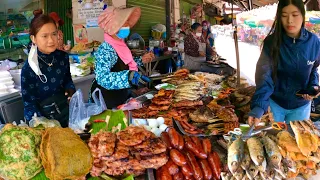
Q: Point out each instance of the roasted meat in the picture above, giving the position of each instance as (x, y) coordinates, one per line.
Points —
(161, 101)
(102, 144)
(135, 150)
(140, 113)
(203, 115)
(154, 161)
(186, 103)
(165, 93)
(132, 135)
(150, 147)
(158, 108)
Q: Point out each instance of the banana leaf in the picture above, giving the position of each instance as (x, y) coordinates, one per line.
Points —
(40, 176)
(115, 118)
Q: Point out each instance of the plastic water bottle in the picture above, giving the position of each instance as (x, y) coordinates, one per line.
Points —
(179, 62)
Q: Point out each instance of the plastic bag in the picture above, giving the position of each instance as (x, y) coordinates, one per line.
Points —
(80, 112)
(36, 121)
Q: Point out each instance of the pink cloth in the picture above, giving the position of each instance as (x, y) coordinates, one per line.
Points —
(123, 51)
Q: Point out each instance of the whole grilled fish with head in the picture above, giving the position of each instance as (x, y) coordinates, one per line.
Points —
(239, 174)
(256, 152)
(273, 152)
(226, 176)
(252, 172)
(246, 160)
(234, 155)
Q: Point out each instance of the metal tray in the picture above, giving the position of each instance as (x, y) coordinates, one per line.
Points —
(143, 98)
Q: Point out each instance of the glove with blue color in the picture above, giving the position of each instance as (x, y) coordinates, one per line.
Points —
(137, 79)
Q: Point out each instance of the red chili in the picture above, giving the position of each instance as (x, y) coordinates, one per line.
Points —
(98, 120)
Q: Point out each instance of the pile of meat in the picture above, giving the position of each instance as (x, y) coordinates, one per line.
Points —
(130, 151)
(190, 158)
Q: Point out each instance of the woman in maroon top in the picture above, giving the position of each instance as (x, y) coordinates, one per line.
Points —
(195, 47)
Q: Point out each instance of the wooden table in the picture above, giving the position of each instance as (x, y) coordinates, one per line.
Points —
(148, 69)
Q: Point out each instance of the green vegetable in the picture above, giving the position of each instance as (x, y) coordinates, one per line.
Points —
(129, 178)
(116, 117)
(40, 176)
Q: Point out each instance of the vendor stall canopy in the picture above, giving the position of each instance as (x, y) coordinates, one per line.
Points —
(243, 4)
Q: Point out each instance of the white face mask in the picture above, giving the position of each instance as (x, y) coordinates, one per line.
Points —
(34, 63)
(198, 34)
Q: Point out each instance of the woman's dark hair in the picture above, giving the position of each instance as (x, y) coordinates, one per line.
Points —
(38, 21)
(276, 33)
(195, 26)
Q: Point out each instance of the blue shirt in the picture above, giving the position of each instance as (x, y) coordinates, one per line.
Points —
(106, 57)
(297, 70)
(58, 80)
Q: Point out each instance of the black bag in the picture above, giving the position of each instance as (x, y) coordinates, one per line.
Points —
(56, 107)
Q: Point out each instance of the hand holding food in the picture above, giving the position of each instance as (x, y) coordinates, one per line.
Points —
(253, 121)
(148, 57)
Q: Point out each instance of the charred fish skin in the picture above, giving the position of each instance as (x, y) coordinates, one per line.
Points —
(246, 160)
(256, 151)
(273, 152)
(226, 176)
(253, 171)
(234, 155)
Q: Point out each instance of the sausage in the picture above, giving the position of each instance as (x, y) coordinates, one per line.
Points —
(215, 164)
(195, 149)
(165, 138)
(206, 144)
(178, 176)
(207, 172)
(177, 157)
(192, 131)
(158, 173)
(197, 173)
(197, 141)
(186, 170)
(165, 175)
(189, 178)
(174, 137)
(181, 143)
(172, 167)
(186, 125)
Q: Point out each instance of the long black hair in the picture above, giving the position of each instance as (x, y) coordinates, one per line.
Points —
(277, 32)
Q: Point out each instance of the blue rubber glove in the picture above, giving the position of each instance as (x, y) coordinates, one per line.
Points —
(137, 79)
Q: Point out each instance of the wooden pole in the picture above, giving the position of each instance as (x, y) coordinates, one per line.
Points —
(235, 38)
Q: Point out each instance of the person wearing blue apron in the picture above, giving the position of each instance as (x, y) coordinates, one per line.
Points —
(115, 68)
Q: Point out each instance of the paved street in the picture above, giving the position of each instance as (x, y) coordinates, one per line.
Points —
(249, 55)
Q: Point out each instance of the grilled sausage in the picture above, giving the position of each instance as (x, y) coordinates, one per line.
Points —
(174, 137)
(178, 176)
(197, 172)
(195, 149)
(197, 141)
(207, 172)
(172, 167)
(165, 175)
(206, 144)
(186, 170)
(215, 164)
(177, 157)
(181, 142)
(165, 138)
